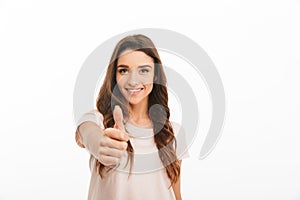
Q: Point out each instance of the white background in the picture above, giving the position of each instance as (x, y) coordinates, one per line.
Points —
(255, 46)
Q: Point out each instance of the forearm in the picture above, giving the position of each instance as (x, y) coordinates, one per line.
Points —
(106, 145)
(85, 131)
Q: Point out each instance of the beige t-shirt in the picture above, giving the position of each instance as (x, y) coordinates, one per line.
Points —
(148, 180)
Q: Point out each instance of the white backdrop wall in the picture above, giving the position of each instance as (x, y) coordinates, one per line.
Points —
(255, 46)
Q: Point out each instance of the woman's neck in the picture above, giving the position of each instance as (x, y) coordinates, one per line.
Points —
(138, 111)
(138, 114)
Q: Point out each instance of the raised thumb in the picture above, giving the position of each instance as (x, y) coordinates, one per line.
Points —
(118, 118)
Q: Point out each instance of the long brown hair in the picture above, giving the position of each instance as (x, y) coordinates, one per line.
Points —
(109, 96)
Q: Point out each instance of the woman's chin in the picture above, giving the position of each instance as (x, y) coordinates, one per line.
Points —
(134, 102)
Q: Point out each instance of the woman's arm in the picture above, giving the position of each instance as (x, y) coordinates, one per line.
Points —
(106, 145)
(176, 187)
(87, 130)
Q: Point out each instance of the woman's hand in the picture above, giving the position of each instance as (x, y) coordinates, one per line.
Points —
(108, 145)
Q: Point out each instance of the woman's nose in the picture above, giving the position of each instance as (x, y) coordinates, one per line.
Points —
(133, 79)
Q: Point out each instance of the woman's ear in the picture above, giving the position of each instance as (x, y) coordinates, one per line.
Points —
(155, 78)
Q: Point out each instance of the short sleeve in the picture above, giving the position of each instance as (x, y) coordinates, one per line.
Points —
(182, 146)
(91, 116)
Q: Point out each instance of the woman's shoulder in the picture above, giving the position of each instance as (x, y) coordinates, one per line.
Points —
(95, 112)
(175, 125)
(181, 140)
(93, 116)
(177, 128)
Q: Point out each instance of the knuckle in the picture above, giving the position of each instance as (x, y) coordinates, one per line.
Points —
(102, 142)
(102, 159)
(109, 143)
(107, 131)
(119, 146)
(125, 145)
(119, 154)
(101, 151)
(116, 160)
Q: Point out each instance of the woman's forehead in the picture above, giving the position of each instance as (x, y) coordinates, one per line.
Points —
(133, 58)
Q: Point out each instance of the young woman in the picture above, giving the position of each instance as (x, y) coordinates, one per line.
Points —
(130, 138)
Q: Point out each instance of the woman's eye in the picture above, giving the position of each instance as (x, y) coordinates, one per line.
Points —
(122, 71)
(144, 71)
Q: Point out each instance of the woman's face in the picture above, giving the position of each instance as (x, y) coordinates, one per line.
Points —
(134, 76)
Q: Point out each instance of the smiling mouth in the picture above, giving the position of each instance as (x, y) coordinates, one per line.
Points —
(134, 91)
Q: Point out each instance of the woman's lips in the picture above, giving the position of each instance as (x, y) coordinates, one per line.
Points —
(133, 91)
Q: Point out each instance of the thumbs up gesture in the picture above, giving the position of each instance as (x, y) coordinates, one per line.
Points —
(114, 143)
(118, 118)
(109, 145)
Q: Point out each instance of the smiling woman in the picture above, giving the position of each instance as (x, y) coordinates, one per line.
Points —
(130, 138)
(135, 74)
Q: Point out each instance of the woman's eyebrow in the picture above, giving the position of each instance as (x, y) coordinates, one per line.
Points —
(143, 66)
(126, 66)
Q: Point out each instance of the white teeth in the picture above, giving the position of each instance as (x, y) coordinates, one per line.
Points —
(133, 90)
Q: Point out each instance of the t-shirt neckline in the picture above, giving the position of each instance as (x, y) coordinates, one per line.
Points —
(138, 132)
